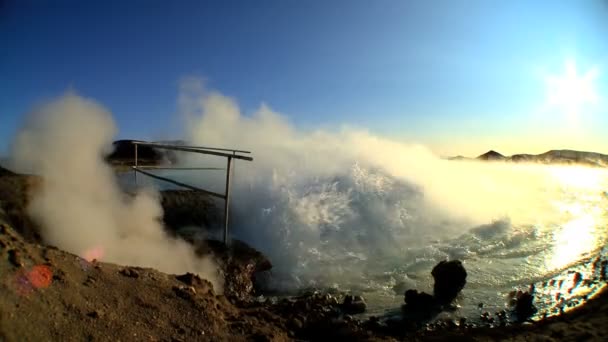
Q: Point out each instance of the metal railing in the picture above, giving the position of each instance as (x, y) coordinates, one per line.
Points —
(230, 154)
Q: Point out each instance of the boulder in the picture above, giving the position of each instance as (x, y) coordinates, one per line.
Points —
(354, 305)
(418, 301)
(239, 265)
(450, 278)
(524, 305)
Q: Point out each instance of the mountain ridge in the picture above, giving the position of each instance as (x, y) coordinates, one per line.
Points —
(557, 156)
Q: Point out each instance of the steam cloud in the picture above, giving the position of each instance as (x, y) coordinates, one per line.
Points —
(313, 199)
(324, 206)
(80, 206)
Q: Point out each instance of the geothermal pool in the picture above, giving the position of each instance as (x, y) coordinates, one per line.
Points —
(376, 232)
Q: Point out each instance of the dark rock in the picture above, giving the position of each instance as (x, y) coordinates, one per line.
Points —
(189, 279)
(524, 306)
(124, 152)
(14, 258)
(450, 278)
(239, 264)
(354, 304)
(129, 272)
(185, 292)
(90, 281)
(462, 322)
(419, 301)
(183, 208)
(295, 324)
(5, 172)
(419, 307)
(93, 314)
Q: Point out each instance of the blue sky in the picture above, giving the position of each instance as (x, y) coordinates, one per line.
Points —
(460, 76)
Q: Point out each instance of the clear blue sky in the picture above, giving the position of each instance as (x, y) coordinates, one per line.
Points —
(461, 76)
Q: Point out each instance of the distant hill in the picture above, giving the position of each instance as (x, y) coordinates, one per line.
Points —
(458, 158)
(569, 157)
(5, 172)
(491, 155)
(124, 152)
(549, 157)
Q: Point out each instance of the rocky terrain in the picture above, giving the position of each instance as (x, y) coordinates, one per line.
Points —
(49, 294)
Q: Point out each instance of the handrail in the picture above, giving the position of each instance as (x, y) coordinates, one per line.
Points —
(178, 168)
(195, 149)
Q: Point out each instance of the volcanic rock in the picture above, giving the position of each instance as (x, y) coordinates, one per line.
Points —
(129, 272)
(450, 278)
(524, 305)
(239, 264)
(418, 301)
(354, 304)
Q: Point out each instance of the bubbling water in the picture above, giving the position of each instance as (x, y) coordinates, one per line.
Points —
(359, 212)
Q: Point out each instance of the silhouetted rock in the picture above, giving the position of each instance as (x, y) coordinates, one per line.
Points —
(524, 305)
(550, 157)
(354, 304)
(459, 157)
(450, 278)
(420, 303)
(124, 150)
(491, 155)
(5, 172)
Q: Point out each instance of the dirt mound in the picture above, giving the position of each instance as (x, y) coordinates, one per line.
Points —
(72, 299)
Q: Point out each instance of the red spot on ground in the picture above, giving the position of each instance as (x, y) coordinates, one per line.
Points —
(40, 276)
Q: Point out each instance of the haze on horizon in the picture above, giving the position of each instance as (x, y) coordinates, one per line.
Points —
(461, 77)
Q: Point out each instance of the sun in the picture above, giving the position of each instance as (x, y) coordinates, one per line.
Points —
(571, 92)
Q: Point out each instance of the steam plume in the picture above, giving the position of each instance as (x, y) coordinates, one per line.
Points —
(313, 198)
(80, 207)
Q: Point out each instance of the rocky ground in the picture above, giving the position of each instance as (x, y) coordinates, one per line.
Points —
(47, 294)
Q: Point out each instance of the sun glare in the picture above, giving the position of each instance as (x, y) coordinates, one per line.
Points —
(571, 91)
(578, 177)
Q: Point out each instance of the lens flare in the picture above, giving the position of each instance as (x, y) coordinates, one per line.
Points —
(571, 91)
(95, 253)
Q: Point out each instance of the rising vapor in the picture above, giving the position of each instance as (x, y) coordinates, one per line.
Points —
(80, 207)
(315, 198)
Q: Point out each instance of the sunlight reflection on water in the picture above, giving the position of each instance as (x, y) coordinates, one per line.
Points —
(582, 233)
(575, 238)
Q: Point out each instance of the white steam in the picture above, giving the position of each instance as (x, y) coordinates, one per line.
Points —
(311, 197)
(80, 206)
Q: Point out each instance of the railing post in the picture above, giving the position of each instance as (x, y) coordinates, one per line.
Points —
(134, 171)
(227, 199)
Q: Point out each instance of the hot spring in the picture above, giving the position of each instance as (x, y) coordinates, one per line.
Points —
(349, 210)
(367, 230)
